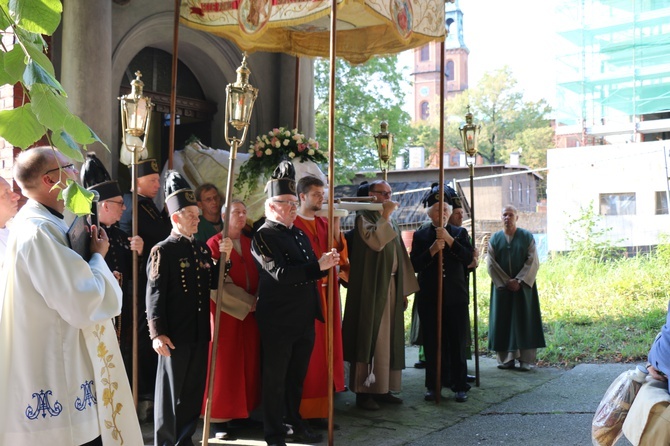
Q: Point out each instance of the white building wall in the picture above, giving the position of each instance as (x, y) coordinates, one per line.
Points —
(577, 176)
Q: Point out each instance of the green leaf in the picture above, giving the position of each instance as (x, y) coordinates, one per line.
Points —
(4, 21)
(67, 146)
(77, 199)
(79, 130)
(15, 64)
(20, 126)
(36, 52)
(37, 16)
(35, 74)
(81, 133)
(50, 108)
(96, 138)
(5, 78)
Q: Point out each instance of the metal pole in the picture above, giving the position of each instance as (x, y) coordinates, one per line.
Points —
(136, 267)
(440, 259)
(474, 271)
(219, 294)
(173, 89)
(331, 191)
(296, 97)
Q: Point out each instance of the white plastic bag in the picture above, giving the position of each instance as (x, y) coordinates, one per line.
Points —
(613, 408)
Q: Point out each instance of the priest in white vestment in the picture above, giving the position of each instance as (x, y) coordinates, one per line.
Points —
(61, 373)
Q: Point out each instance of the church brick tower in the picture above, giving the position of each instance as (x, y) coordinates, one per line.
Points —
(427, 67)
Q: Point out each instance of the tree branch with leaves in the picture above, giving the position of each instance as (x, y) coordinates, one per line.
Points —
(44, 112)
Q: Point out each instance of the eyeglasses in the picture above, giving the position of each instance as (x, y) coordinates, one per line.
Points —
(66, 166)
(290, 203)
(120, 203)
(382, 193)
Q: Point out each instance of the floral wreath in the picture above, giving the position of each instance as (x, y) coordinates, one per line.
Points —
(268, 149)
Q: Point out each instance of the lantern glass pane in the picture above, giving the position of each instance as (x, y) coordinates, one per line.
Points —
(240, 105)
(383, 147)
(137, 115)
(470, 135)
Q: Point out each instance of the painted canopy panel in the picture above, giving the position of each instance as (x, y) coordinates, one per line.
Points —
(302, 27)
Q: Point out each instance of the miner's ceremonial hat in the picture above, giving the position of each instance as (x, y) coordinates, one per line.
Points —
(433, 196)
(147, 167)
(283, 180)
(178, 193)
(95, 177)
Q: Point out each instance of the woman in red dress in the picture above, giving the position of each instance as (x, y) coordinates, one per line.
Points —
(237, 385)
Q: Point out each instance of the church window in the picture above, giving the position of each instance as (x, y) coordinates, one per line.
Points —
(449, 69)
(425, 110)
(424, 53)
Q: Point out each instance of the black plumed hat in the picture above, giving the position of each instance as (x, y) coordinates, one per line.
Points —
(433, 196)
(147, 167)
(95, 177)
(178, 193)
(363, 189)
(283, 180)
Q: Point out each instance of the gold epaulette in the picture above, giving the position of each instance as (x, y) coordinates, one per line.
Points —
(155, 259)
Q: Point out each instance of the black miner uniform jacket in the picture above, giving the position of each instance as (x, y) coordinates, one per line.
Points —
(180, 274)
(287, 291)
(454, 265)
(152, 225)
(120, 258)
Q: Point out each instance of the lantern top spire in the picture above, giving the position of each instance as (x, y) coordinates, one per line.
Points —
(243, 73)
(468, 116)
(137, 86)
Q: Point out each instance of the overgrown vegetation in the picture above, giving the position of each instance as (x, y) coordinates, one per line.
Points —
(597, 304)
(593, 312)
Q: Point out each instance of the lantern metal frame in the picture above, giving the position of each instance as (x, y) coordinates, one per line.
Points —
(136, 111)
(469, 135)
(240, 98)
(384, 143)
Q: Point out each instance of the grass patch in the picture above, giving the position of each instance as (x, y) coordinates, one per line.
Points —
(594, 311)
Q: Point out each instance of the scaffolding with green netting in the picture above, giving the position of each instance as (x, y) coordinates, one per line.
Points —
(614, 78)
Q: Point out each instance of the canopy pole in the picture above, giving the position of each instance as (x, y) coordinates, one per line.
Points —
(440, 259)
(332, 277)
(173, 86)
(296, 98)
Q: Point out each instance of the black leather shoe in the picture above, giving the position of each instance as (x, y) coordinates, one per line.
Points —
(429, 396)
(365, 401)
(461, 397)
(306, 436)
(509, 365)
(386, 398)
(471, 378)
(420, 364)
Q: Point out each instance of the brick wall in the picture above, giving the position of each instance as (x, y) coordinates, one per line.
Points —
(8, 100)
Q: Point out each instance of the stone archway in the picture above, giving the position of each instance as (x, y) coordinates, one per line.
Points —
(212, 60)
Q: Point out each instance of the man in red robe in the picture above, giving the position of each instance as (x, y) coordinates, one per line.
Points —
(314, 404)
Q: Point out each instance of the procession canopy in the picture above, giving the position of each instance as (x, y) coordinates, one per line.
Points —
(302, 27)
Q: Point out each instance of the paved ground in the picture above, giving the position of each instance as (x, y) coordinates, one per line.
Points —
(546, 406)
